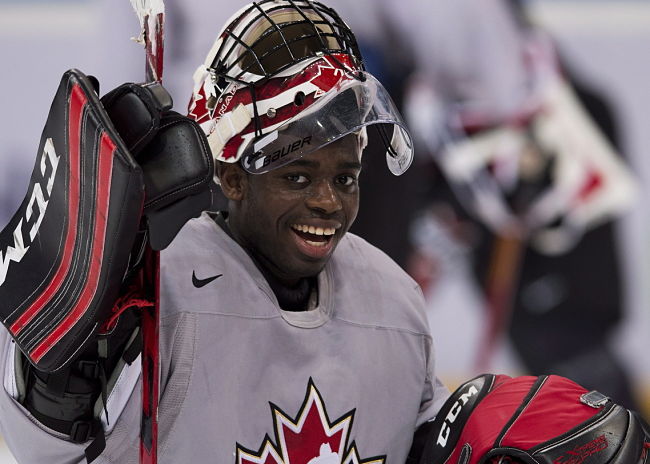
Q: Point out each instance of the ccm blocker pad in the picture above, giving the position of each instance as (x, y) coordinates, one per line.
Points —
(100, 166)
(64, 252)
(533, 420)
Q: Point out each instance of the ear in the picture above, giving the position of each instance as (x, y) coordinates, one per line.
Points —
(233, 180)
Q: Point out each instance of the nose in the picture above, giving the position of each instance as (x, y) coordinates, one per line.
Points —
(324, 198)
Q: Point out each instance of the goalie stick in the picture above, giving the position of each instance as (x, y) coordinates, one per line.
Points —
(151, 14)
(500, 287)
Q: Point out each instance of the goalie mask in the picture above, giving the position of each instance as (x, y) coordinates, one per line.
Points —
(285, 78)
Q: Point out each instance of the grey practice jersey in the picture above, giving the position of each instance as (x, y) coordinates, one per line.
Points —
(246, 382)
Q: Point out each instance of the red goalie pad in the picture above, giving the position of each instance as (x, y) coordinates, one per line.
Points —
(533, 420)
(64, 253)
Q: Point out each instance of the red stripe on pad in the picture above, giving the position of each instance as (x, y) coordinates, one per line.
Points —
(544, 417)
(76, 106)
(492, 414)
(104, 176)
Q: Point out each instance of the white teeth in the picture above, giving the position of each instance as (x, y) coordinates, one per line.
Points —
(316, 244)
(314, 230)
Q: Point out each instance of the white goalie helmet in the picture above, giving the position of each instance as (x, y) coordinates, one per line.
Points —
(285, 78)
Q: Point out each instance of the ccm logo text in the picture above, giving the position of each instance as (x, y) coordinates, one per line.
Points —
(28, 225)
(452, 415)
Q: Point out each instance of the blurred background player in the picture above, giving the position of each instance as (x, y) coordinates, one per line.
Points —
(523, 178)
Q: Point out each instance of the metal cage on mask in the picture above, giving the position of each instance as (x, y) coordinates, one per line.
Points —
(286, 78)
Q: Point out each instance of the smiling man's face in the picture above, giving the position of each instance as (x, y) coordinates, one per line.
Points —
(292, 218)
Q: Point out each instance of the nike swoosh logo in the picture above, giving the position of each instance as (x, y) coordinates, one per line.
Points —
(198, 283)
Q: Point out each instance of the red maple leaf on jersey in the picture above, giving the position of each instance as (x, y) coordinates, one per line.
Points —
(310, 438)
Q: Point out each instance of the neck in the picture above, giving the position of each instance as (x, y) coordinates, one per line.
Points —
(293, 294)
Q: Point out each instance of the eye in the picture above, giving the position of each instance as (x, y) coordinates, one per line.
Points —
(297, 178)
(346, 180)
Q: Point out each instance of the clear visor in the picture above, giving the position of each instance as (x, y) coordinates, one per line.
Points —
(347, 108)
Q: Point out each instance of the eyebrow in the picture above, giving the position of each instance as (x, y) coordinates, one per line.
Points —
(351, 165)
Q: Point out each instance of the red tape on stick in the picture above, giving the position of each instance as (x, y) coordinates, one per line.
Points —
(150, 361)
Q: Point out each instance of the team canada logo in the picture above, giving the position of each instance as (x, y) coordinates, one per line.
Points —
(309, 438)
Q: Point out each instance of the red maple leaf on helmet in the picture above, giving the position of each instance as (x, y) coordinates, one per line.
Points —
(329, 73)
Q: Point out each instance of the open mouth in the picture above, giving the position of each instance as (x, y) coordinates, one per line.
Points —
(314, 242)
(314, 236)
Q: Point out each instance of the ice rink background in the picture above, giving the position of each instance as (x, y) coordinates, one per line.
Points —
(606, 41)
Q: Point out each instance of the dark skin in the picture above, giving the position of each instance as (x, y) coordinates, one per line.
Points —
(292, 218)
